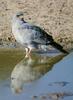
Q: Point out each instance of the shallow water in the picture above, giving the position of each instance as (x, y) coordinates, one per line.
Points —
(43, 76)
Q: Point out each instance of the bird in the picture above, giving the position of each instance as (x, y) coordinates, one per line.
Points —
(31, 36)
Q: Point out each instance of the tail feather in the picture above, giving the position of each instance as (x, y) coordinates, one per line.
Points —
(58, 46)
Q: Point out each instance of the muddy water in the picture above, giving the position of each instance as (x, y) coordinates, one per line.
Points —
(47, 76)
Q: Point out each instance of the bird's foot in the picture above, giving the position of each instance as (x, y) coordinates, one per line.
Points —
(28, 55)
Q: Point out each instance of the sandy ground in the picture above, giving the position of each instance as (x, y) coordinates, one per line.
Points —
(54, 16)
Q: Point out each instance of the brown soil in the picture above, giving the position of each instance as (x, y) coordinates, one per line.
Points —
(54, 16)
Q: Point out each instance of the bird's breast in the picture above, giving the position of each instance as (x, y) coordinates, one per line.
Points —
(22, 36)
(17, 33)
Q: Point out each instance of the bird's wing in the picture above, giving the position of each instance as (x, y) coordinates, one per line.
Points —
(43, 34)
(38, 34)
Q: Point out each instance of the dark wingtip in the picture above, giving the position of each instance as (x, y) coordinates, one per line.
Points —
(59, 47)
(64, 51)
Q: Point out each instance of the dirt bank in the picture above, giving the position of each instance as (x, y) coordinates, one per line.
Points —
(55, 16)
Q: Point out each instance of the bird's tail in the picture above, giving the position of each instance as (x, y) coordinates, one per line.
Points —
(58, 46)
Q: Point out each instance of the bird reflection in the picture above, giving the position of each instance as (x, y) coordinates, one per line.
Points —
(31, 69)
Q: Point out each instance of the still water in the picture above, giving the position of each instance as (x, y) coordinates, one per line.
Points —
(43, 76)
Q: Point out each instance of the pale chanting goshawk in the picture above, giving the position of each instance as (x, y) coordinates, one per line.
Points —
(31, 36)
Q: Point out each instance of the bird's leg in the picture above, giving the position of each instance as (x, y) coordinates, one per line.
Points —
(28, 52)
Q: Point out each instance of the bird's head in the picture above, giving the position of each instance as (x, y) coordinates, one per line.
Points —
(19, 15)
(18, 18)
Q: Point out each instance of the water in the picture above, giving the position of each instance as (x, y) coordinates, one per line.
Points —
(43, 76)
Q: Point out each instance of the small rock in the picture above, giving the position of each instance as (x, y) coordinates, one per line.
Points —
(34, 97)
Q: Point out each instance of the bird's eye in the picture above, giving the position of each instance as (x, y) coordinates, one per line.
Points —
(17, 15)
